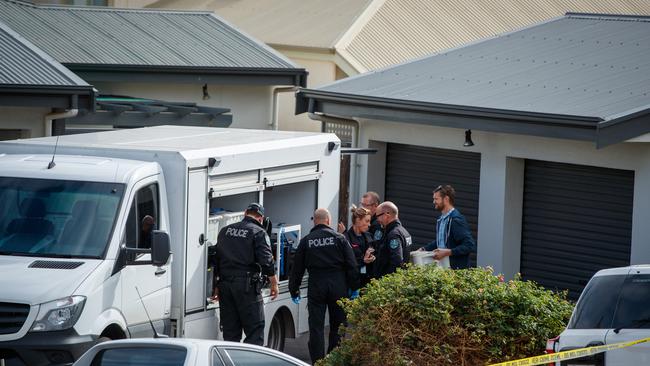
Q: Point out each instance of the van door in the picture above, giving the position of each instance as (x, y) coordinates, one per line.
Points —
(631, 321)
(152, 283)
(196, 242)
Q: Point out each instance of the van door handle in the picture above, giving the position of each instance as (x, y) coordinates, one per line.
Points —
(202, 239)
(160, 271)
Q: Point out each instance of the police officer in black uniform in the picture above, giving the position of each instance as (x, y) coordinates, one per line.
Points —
(242, 256)
(329, 259)
(394, 249)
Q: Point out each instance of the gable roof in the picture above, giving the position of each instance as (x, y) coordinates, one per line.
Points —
(401, 30)
(29, 77)
(84, 38)
(581, 76)
(294, 23)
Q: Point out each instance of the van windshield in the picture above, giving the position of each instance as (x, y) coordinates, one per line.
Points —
(56, 218)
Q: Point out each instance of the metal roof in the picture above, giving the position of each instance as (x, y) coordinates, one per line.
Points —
(297, 23)
(23, 63)
(147, 38)
(29, 77)
(401, 30)
(582, 71)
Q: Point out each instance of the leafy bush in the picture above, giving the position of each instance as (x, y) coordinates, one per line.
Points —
(429, 316)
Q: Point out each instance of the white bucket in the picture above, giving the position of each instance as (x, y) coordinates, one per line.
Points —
(421, 258)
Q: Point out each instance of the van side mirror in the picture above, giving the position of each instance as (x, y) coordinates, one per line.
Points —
(160, 248)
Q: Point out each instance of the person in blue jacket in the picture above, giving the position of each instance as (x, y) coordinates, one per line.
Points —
(453, 237)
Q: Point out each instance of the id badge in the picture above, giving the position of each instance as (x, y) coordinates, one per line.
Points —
(363, 270)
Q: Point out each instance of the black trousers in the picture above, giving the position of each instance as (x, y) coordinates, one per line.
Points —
(241, 308)
(323, 292)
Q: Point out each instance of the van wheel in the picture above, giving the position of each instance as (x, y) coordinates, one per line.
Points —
(276, 333)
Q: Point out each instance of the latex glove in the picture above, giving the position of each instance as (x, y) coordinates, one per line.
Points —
(296, 300)
(353, 294)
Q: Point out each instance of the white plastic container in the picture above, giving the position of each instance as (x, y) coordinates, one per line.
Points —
(216, 222)
(421, 258)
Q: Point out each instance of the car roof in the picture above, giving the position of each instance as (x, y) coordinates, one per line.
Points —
(623, 270)
(192, 343)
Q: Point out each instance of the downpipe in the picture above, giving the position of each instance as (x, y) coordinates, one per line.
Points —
(273, 125)
(47, 122)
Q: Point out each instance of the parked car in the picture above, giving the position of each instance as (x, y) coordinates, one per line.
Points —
(183, 352)
(613, 308)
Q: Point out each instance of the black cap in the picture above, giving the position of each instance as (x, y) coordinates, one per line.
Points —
(255, 207)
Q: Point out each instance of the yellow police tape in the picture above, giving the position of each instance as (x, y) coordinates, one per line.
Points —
(569, 355)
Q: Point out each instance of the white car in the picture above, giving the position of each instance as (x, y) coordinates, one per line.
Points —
(614, 307)
(183, 352)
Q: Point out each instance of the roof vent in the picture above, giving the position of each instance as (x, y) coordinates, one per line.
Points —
(55, 264)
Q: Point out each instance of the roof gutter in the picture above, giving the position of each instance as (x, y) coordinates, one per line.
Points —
(625, 127)
(196, 74)
(342, 105)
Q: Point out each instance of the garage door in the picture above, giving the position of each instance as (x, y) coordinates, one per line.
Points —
(576, 220)
(412, 172)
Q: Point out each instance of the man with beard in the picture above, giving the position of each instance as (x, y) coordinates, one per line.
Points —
(453, 237)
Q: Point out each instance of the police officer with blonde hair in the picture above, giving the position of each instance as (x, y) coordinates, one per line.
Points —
(332, 267)
(242, 258)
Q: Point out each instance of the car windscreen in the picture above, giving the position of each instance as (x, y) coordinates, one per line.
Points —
(633, 310)
(57, 218)
(140, 356)
(596, 306)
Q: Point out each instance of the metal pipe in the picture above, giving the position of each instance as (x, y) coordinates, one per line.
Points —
(47, 122)
(273, 124)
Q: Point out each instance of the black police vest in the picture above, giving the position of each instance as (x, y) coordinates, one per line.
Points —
(235, 252)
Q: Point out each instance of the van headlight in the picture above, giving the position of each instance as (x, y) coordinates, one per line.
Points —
(59, 314)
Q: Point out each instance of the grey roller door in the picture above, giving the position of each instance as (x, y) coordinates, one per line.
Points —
(412, 172)
(576, 220)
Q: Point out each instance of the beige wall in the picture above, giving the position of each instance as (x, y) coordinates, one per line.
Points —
(320, 73)
(130, 3)
(28, 121)
(250, 105)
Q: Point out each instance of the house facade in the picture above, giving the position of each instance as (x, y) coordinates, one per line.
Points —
(175, 56)
(554, 181)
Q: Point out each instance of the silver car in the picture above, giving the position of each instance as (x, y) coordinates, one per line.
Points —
(183, 352)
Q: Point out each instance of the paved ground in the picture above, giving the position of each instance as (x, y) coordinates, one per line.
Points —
(298, 347)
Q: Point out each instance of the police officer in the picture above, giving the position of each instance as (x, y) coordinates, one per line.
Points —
(395, 247)
(370, 201)
(242, 257)
(328, 257)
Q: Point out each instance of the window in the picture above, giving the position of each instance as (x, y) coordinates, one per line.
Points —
(242, 357)
(216, 359)
(137, 356)
(633, 310)
(57, 218)
(596, 306)
(143, 217)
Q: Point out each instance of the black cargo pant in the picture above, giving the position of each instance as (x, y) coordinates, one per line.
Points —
(241, 307)
(323, 291)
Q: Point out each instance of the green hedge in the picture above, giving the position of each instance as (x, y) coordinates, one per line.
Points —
(428, 316)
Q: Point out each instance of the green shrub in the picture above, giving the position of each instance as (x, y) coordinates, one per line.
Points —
(428, 316)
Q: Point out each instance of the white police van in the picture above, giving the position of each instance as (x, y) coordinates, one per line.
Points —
(614, 307)
(74, 261)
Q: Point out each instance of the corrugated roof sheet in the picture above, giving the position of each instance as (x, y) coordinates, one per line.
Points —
(580, 65)
(402, 30)
(21, 63)
(299, 23)
(91, 35)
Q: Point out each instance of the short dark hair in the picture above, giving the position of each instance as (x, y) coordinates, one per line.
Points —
(446, 191)
(374, 197)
